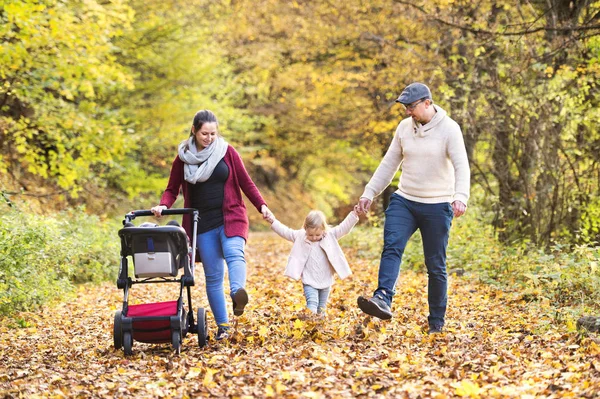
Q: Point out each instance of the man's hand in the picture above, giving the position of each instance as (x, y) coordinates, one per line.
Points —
(459, 208)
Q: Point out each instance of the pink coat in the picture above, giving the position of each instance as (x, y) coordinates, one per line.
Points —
(234, 210)
(329, 243)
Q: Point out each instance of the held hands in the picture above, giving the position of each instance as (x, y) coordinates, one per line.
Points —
(362, 208)
(157, 210)
(267, 214)
(270, 218)
(459, 208)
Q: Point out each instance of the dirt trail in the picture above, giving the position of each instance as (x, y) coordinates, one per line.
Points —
(495, 345)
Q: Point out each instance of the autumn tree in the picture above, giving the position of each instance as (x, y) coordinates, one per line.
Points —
(58, 78)
(525, 78)
(519, 79)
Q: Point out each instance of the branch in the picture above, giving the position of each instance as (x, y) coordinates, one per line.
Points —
(481, 173)
(4, 193)
(370, 37)
(484, 32)
(6, 199)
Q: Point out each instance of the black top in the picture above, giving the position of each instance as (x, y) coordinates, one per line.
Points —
(207, 197)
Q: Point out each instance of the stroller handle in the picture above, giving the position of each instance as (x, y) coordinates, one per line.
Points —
(173, 211)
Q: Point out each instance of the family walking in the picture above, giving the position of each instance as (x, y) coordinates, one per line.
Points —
(433, 188)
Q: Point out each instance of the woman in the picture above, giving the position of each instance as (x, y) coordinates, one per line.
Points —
(212, 176)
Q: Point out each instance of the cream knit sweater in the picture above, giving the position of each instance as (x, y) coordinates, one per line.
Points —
(434, 162)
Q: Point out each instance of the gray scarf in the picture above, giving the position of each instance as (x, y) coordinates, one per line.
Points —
(199, 165)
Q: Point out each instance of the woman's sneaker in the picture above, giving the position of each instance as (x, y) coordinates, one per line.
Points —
(222, 332)
(240, 300)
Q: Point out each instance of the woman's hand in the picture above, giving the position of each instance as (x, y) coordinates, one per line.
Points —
(157, 210)
(267, 214)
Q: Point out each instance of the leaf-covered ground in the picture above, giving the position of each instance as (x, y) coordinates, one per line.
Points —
(495, 345)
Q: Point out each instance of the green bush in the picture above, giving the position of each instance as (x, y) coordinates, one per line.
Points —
(42, 257)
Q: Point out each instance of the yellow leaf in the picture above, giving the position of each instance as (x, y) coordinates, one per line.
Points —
(298, 334)
(193, 373)
(594, 348)
(299, 324)
(279, 387)
(208, 377)
(311, 394)
(468, 388)
(269, 391)
(263, 331)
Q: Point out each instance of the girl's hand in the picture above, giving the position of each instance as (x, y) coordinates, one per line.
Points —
(157, 210)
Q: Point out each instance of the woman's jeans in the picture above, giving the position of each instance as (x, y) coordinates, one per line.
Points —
(402, 218)
(216, 249)
(316, 299)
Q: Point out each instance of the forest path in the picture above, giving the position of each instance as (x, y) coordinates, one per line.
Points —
(495, 344)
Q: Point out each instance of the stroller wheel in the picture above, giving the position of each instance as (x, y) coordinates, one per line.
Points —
(176, 341)
(127, 343)
(117, 332)
(202, 327)
(185, 324)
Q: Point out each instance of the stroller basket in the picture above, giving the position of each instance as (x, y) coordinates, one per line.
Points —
(152, 321)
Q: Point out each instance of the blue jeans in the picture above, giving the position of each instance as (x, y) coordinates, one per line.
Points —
(402, 218)
(216, 249)
(316, 299)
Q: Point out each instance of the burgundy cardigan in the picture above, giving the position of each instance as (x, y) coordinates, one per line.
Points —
(234, 210)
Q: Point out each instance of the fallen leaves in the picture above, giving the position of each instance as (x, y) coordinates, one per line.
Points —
(493, 347)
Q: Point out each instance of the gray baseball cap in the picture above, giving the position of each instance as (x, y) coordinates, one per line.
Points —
(414, 92)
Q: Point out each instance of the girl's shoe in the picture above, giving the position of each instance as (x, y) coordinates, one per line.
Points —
(222, 332)
(240, 300)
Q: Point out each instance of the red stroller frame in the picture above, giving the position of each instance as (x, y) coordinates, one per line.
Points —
(158, 253)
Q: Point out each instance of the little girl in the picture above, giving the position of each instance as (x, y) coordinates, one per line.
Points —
(316, 255)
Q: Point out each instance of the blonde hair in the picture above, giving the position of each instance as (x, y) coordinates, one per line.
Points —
(315, 219)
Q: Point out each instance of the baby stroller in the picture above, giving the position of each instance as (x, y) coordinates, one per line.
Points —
(158, 252)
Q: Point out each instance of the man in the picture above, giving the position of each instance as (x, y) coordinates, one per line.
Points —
(434, 188)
